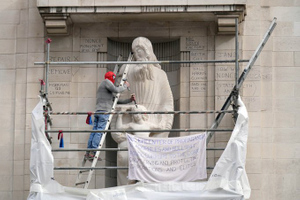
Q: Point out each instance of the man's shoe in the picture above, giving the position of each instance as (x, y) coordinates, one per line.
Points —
(92, 156)
(87, 156)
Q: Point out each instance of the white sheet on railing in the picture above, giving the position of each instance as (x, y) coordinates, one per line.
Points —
(227, 181)
(167, 159)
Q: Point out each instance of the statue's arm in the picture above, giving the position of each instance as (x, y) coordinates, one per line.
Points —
(153, 126)
(168, 105)
(119, 123)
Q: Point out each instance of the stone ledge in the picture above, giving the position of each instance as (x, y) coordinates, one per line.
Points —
(222, 14)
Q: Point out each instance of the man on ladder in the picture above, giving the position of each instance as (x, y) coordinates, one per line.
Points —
(105, 98)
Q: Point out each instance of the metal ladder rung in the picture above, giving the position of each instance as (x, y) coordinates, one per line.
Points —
(83, 171)
(81, 183)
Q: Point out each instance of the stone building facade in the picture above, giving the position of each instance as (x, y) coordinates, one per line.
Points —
(98, 30)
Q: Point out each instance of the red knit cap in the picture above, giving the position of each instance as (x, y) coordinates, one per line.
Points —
(110, 76)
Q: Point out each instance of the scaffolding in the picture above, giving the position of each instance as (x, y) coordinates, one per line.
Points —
(231, 99)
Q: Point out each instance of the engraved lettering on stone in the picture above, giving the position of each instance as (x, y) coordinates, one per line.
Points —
(59, 89)
(198, 87)
(254, 75)
(219, 101)
(150, 9)
(252, 103)
(266, 74)
(90, 45)
(198, 73)
(173, 9)
(221, 98)
(194, 44)
(266, 77)
(250, 88)
(198, 55)
(225, 72)
(223, 55)
(60, 74)
(224, 88)
(63, 58)
(162, 9)
(59, 71)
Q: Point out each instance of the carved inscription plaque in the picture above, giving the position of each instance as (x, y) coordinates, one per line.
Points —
(248, 88)
(225, 55)
(91, 45)
(252, 103)
(219, 101)
(198, 73)
(224, 88)
(198, 55)
(63, 58)
(60, 74)
(225, 73)
(266, 74)
(251, 88)
(59, 78)
(59, 89)
(196, 43)
(197, 87)
(254, 74)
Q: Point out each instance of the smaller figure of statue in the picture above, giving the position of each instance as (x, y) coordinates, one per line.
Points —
(139, 122)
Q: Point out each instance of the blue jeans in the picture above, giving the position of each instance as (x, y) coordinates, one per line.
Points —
(100, 121)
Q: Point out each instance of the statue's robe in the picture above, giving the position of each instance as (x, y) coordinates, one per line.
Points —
(154, 95)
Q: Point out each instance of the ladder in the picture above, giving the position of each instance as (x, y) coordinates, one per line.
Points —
(241, 79)
(90, 171)
(117, 67)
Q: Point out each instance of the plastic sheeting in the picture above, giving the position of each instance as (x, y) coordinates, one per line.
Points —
(227, 181)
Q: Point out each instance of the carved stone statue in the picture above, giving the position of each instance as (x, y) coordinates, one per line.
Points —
(139, 122)
(150, 85)
(152, 92)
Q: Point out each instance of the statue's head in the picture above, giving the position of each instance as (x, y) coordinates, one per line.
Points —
(140, 108)
(142, 49)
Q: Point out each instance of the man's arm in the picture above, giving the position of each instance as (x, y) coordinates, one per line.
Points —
(125, 101)
(113, 89)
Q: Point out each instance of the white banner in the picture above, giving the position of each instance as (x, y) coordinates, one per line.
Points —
(167, 159)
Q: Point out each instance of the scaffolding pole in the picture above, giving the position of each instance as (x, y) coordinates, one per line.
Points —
(115, 149)
(97, 168)
(144, 112)
(235, 95)
(142, 130)
(242, 78)
(138, 62)
(47, 63)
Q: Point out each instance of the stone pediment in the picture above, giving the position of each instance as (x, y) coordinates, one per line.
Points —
(58, 15)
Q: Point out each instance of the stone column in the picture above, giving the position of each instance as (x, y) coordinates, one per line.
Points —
(194, 80)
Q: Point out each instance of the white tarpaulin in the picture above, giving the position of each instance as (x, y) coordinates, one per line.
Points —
(167, 159)
(227, 181)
